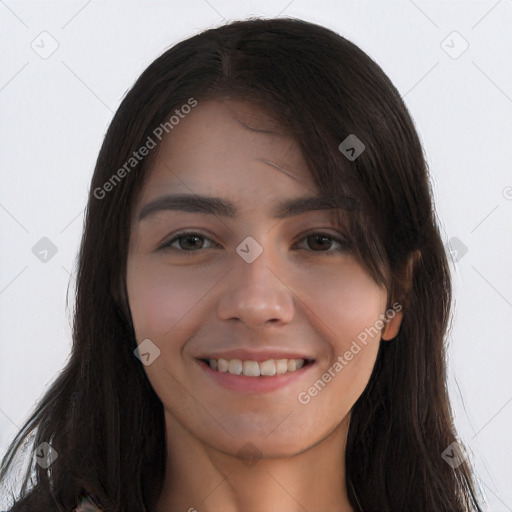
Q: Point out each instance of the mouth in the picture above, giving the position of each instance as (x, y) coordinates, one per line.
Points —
(255, 376)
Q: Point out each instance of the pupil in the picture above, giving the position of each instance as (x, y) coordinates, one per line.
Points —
(193, 245)
(320, 238)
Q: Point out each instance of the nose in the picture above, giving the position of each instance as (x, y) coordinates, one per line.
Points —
(257, 294)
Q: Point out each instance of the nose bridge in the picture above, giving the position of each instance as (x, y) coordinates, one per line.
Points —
(256, 255)
(260, 272)
(256, 293)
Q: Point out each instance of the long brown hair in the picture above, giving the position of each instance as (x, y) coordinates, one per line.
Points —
(102, 416)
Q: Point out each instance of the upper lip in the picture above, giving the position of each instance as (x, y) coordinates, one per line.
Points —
(258, 356)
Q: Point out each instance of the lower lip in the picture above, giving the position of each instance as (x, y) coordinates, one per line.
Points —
(255, 384)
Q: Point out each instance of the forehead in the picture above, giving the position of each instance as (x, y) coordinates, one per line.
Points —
(224, 144)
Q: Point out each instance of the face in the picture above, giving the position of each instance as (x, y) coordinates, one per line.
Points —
(251, 285)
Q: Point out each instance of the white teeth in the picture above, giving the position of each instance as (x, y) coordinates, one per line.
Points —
(251, 369)
(235, 366)
(223, 365)
(254, 369)
(281, 366)
(268, 367)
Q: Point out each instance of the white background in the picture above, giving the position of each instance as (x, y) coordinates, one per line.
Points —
(55, 112)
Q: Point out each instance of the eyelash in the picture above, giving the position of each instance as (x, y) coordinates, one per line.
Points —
(166, 245)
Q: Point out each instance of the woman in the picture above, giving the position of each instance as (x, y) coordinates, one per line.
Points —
(262, 295)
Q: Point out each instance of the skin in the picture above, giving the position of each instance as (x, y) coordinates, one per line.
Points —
(296, 294)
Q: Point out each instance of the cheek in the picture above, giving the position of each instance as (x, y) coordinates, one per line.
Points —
(161, 297)
(344, 306)
(343, 301)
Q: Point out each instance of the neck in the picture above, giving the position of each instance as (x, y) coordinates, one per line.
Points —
(203, 479)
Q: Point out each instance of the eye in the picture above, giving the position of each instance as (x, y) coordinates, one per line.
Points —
(191, 241)
(323, 242)
(186, 241)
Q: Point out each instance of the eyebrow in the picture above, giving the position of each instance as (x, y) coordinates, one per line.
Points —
(194, 203)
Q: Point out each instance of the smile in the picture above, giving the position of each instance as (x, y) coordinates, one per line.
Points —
(256, 376)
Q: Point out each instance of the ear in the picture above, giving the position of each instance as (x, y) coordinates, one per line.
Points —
(392, 327)
(405, 281)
